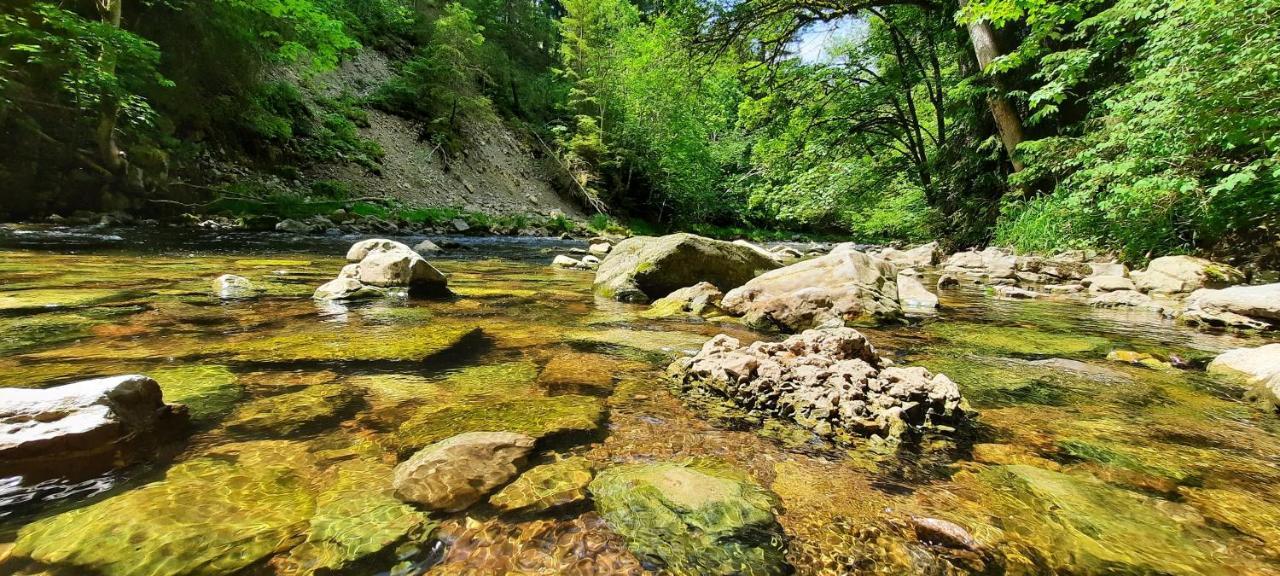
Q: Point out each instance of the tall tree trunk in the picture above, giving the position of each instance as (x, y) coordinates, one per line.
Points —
(1008, 123)
(108, 151)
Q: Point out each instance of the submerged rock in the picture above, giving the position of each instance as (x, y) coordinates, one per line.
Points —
(1181, 274)
(643, 268)
(535, 416)
(1083, 526)
(230, 286)
(453, 474)
(294, 412)
(1015, 293)
(214, 514)
(325, 344)
(943, 533)
(547, 486)
(82, 427)
(1127, 299)
(828, 380)
(693, 518)
(843, 286)
(1253, 307)
(579, 373)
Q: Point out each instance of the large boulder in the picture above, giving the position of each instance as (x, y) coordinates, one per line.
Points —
(914, 296)
(990, 264)
(843, 286)
(455, 473)
(1256, 307)
(1182, 274)
(381, 263)
(643, 268)
(81, 427)
(693, 518)
(922, 256)
(1258, 368)
(828, 380)
(400, 266)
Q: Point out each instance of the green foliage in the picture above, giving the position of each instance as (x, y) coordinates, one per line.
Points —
(440, 84)
(1182, 155)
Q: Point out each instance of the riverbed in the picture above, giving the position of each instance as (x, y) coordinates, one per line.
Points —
(1074, 464)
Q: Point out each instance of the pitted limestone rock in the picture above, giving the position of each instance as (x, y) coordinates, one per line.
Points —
(829, 380)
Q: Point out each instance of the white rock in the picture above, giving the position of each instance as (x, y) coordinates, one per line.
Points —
(1255, 307)
(562, 261)
(345, 288)
(1109, 283)
(230, 286)
(1180, 274)
(600, 249)
(913, 295)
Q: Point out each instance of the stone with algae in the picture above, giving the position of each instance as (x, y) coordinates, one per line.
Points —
(546, 487)
(459, 471)
(693, 518)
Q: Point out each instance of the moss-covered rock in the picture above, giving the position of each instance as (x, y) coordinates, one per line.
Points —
(209, 515)
(536, 416)
(645, 340)
(330, 344)
(644, 268)
(692, 518)
(1083, 526)
(547, 486)
(356, 516)
(44, 298)
(1016, 341)
(295, 412)
(208, 391)
(580, 373)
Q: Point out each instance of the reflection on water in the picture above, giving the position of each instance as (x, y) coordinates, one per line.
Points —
(301, 409)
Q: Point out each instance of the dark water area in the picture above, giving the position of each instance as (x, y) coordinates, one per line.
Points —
(1075, 465)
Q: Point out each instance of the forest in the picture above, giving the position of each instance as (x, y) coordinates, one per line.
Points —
(1145, 127)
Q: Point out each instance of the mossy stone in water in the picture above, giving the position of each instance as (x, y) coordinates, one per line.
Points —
(536, 416)
(207, 391)
(1083, 526)
(692, 518)
(506, 379)
(294, 412)
(1015, 341)
(645, 340)
(356, 516)
(547, 486)
(210, 515)
(334, 344)
(58, 298)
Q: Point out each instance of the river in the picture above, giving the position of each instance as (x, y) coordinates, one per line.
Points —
(1075, 463)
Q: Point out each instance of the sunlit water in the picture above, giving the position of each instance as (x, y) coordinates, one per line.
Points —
(1076, 464)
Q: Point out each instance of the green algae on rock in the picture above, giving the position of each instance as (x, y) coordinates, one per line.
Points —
(1017, 341)
(508, 379)
(644, 340)
(356, 516)
(693, 518)
(1083, 526)
(547, 486)
(332, 344)
(208, 391)
(535, 416)
(210, 515)
(294, 412)
(43, 298)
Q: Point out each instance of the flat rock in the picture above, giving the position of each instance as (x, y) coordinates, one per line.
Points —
(1182, 274)
(694, 518)
(547, 486)
(1253, 307)
(455, 473)
(81, 427)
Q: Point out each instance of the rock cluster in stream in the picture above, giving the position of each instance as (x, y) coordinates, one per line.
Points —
(829, 380)
(378, 264)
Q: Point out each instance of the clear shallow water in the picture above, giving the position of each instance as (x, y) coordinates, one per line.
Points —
(1076, 464)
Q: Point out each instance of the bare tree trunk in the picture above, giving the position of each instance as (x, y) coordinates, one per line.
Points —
(108, 151)
(1007, 121)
